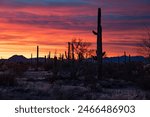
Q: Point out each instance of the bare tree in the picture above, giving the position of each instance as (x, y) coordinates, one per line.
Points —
(82, 49)
(145, 46)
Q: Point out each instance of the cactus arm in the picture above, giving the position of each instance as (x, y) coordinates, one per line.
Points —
(95, 33)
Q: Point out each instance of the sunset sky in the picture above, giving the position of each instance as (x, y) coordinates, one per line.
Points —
(52, 23)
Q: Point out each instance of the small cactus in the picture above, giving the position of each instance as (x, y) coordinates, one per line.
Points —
(72, 51)
(69, 50)
(129, 58)
(70, 54)
(45, 59)
(62, 57)
(66, 55)
(49, 55)
(55, 67)
(37, 64)
(125, 58)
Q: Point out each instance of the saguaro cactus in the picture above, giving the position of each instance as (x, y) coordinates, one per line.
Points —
(66, 55)
(69, 50)
(49, 55)
(37, 62)
(62, 57)
(129, 58)
(72, 46)
(45, 59)
(99, 43)
(55, 67)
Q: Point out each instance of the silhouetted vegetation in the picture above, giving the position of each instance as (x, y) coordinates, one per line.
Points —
(145, 46)
(76, 74)
(99, 50)
(7, 79)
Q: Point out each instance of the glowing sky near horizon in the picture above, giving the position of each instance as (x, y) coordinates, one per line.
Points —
(24, 24)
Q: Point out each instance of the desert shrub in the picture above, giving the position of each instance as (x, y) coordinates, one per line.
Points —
(17, 68)
(89, 71)
(48, 66)
(68, 92)
(143, 79)
(3, 67)
(144, 82)
(66, 65)
(129, 71)
(7, 79)
(111, 70)
(147, 68)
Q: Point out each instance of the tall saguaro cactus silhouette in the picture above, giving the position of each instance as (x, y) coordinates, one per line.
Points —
(99, 44)
(37, 62)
